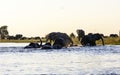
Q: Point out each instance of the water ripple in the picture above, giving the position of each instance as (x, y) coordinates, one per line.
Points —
(95, 50)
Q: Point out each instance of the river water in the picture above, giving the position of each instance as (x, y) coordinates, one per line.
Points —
(102, 60)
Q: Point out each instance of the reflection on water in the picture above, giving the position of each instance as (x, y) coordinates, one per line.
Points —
(74, 60)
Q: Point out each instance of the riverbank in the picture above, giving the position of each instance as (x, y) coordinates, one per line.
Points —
(111, 41)
(108, 41)
(20, 41)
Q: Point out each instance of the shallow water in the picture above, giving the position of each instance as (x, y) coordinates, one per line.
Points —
(15, 60)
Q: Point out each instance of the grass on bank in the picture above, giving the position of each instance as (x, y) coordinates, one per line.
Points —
(111, 41)
(107, 41)
(20, 41)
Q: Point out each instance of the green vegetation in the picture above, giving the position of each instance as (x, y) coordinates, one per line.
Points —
(112, 39)
(20, 41)
(108, 41)
(3, 32)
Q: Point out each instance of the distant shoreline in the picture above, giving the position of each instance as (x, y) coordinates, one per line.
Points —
(19, 41)
(108, 41)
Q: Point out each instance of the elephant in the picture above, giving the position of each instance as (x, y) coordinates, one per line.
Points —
(37, 45)
(80, 33)
(114, 35)
(53, 35)
(34, 45)
(47, 46)
(90, 39)
(58, 44)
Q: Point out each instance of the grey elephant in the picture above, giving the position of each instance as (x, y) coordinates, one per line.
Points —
(90, 39)
(34, 44)
(80, 33)
(58, 44)
(55, 35)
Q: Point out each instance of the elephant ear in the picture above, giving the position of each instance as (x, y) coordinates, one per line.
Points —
(97, 36)
(59, 41)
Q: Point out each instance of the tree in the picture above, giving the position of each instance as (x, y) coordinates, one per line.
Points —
(11, 37)
(36, 38)
(18, 36)
(23, 38)
(4, 32)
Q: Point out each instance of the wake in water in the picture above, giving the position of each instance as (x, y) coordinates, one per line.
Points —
(98, 60)
(96, 49)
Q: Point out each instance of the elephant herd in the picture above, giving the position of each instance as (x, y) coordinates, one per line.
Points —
(58, 40)
(58, 44)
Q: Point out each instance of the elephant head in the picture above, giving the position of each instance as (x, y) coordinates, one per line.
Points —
(59, 43)
(34, 44)
(97, 36)
(55, 35)
(46, 46)
(51, 36)
(80, 33)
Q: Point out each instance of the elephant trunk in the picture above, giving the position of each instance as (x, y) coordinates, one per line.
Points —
(40, 42)
(102, 41)
(71, 42)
